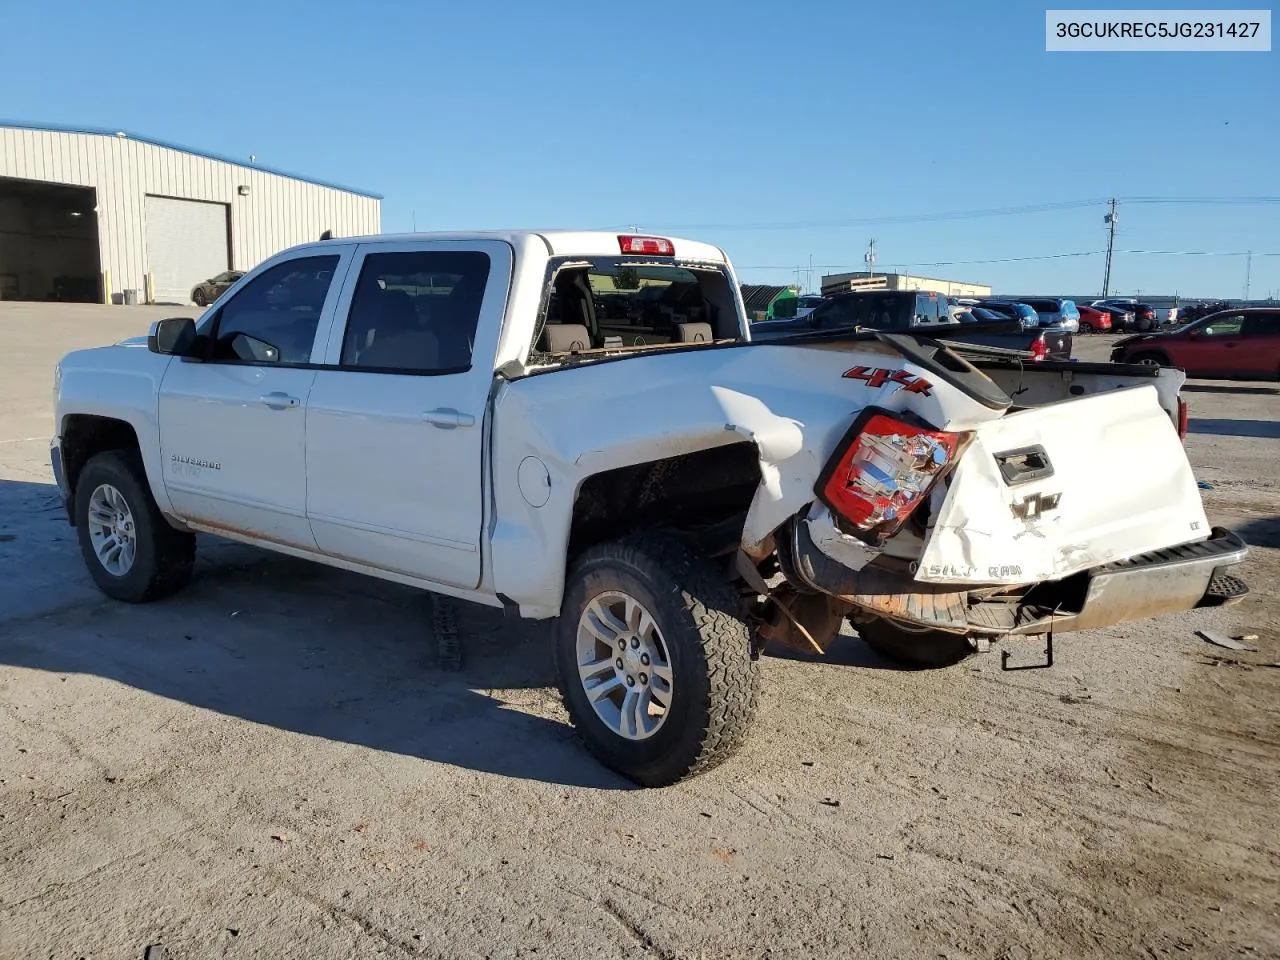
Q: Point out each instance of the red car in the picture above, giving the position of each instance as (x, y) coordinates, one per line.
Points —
(1093, 320)
(1230, 345)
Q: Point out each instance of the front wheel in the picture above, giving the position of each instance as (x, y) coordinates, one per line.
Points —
(132, 552)
(1149, 359)
(920, 648)
(1086, 328)
(654, 660)
(198, 297)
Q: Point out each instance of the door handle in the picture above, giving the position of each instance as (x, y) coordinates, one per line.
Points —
(447, 418)
(278, 400)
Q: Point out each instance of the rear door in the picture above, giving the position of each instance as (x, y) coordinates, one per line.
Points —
(396, 418)
(1262, 346)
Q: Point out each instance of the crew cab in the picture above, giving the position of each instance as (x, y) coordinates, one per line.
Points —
(453, 412)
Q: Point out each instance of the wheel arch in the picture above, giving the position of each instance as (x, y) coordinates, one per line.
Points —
(84, 435)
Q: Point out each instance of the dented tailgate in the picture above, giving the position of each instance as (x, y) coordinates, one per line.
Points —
(1050, 491)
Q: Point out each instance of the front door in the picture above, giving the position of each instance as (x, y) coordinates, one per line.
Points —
(1215, 350)
(232, 422)
(396, 418)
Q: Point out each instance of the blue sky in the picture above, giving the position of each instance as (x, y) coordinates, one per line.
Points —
(716, 120)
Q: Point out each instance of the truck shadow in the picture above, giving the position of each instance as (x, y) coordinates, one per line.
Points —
(1261, 429)
(1228, 388)
(1262, 532)
(295, 646)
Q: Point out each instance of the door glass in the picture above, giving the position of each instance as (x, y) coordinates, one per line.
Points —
(416, 312)
(837, 314)
(1224, 326)
(274, 318)
(1262, 325)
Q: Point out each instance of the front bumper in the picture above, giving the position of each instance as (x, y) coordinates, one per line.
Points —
(60, 477)
(1172, 580)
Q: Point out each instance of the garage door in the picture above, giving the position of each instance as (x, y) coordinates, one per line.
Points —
(186, 243)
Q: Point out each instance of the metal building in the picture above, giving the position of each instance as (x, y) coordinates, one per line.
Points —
(98, 215)
(835, 283)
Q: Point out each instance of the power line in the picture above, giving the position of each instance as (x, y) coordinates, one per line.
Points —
(872, 221)
(947, 263)
(978, 214)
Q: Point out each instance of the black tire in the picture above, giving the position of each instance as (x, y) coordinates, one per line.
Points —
(715, 684)
(1086, 328)
(924, 649)
(198, 297)
(1149, 357)
(163, 556)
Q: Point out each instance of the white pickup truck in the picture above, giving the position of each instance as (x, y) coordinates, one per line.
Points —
(577, 426)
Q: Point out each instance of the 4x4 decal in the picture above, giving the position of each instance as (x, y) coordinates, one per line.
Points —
(877, 377)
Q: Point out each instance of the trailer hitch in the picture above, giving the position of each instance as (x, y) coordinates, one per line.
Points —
(1048, 657)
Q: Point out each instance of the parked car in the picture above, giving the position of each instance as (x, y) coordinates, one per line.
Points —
(447, 412)
(210, 290)
(1055, 312)
(1121, 319)
(1144, 315)
(1232, 345)
(906, 310)
(1013, 310)
(1093, 320)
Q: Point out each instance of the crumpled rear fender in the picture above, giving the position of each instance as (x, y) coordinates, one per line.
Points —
(792, 402)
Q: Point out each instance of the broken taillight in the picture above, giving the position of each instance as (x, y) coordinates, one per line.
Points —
(1039, 349)
(883, 469)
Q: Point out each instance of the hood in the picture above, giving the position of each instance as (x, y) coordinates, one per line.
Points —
(1141, 338)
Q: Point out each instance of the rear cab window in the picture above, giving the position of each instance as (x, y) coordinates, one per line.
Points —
(612, 304)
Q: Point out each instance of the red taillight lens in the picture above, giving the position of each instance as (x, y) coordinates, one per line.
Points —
(1182, 418)
(882, 470)
(1039, 350)
(656, 246)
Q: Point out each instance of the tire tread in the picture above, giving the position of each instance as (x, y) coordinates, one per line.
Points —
(732, 674)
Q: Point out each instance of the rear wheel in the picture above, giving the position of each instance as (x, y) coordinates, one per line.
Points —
(921, 648)
(654, 660)
(132, 552)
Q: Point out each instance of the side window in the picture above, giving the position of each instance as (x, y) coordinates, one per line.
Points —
(274, 318)
(1225, 326)
(836, 314)
(1262, 325)
(416, 312)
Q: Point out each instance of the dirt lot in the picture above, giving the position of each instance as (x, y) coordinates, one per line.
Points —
(269, 765)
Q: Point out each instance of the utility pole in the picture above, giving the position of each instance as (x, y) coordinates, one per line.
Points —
(1110, 220)
(1248, 270)
(870, 258)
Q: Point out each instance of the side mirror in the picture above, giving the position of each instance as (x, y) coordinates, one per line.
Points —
(174, 336)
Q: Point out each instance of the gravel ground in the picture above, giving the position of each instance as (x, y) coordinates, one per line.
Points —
(269, 765)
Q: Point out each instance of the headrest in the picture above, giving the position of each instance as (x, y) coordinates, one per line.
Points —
(565, 337)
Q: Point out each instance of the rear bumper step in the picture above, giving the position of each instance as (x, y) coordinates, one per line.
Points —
(1172, 580)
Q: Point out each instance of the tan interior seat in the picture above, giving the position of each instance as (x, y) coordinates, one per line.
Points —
(694, 332)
